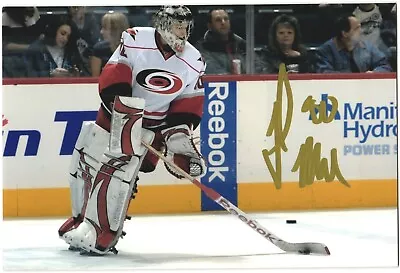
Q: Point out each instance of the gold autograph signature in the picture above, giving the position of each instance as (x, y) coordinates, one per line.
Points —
(311, 166)
(275, 126)
(308, 162)
(310, 106)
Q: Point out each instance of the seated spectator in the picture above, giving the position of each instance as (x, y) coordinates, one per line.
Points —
(220, 47)
(284, 46)
(112, 26)
(88, 33)
(327, 14)
(389, 32)
(371, 20)
(56, 55)
(347, 53)
(21, 27)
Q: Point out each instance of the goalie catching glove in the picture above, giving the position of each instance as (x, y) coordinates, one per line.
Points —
(181, 150)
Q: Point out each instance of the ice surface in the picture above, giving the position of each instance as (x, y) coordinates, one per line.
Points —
(366, 238)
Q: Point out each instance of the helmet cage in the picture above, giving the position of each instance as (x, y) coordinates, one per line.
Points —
(168, 16)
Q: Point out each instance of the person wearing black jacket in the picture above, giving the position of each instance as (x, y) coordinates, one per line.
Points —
(284, 46)
(220, 46)
(56, 54)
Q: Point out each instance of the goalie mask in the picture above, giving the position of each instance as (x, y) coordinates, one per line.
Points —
(174, 23)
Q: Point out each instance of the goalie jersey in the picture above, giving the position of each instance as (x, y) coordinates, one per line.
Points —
(141, 67)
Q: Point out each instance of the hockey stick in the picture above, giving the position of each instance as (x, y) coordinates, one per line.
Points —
(302, 248)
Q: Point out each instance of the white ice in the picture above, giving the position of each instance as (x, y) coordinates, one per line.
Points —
(367, 238)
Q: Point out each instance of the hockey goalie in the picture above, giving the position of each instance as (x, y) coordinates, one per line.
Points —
(151, 90)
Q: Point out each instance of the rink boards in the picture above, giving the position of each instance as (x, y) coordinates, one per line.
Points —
(335, 149)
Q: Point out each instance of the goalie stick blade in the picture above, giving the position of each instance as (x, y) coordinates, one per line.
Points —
(304, 248)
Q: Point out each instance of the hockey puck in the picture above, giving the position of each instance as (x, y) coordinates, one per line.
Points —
(291, 222)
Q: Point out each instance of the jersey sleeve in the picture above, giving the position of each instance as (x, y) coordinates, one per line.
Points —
(116, 77)
(187, 108)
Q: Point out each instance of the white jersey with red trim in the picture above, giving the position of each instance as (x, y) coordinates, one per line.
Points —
(168, 82)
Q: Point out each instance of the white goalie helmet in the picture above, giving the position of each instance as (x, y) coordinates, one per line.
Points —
(174, 23)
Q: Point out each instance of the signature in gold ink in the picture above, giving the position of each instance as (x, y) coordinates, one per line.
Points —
(275, 127)
(310, 106)
(311, 166)
(308, 161)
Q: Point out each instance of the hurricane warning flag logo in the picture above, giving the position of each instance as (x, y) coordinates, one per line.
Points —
(159, 81)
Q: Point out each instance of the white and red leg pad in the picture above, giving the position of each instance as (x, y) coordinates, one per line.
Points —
(80, 181)
(92, 143)
(114, 178)
(108, 202)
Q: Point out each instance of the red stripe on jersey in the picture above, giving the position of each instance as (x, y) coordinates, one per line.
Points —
(188, 64)
(193, 105)
(115, 73)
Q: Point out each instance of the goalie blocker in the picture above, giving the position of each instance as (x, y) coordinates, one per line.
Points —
(103, 173)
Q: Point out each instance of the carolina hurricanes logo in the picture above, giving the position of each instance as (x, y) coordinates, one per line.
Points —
(159, 81)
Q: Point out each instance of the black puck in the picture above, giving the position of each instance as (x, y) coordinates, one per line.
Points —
(291, 221)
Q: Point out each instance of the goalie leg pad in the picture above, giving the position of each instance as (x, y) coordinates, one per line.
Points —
(92, 140)
(79, 182)
(114, 171)
(77, 185)
(108, 203)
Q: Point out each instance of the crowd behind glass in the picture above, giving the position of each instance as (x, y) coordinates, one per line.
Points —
(77, 41)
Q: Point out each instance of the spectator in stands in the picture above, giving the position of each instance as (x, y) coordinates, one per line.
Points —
(21, 26)
(347, 53)
(56, 55)
(112, 26)
(389, 35)
(220, 47)
(88, 33)
(284, 46)
(327, 14)
(389, 25)
(371, 20)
